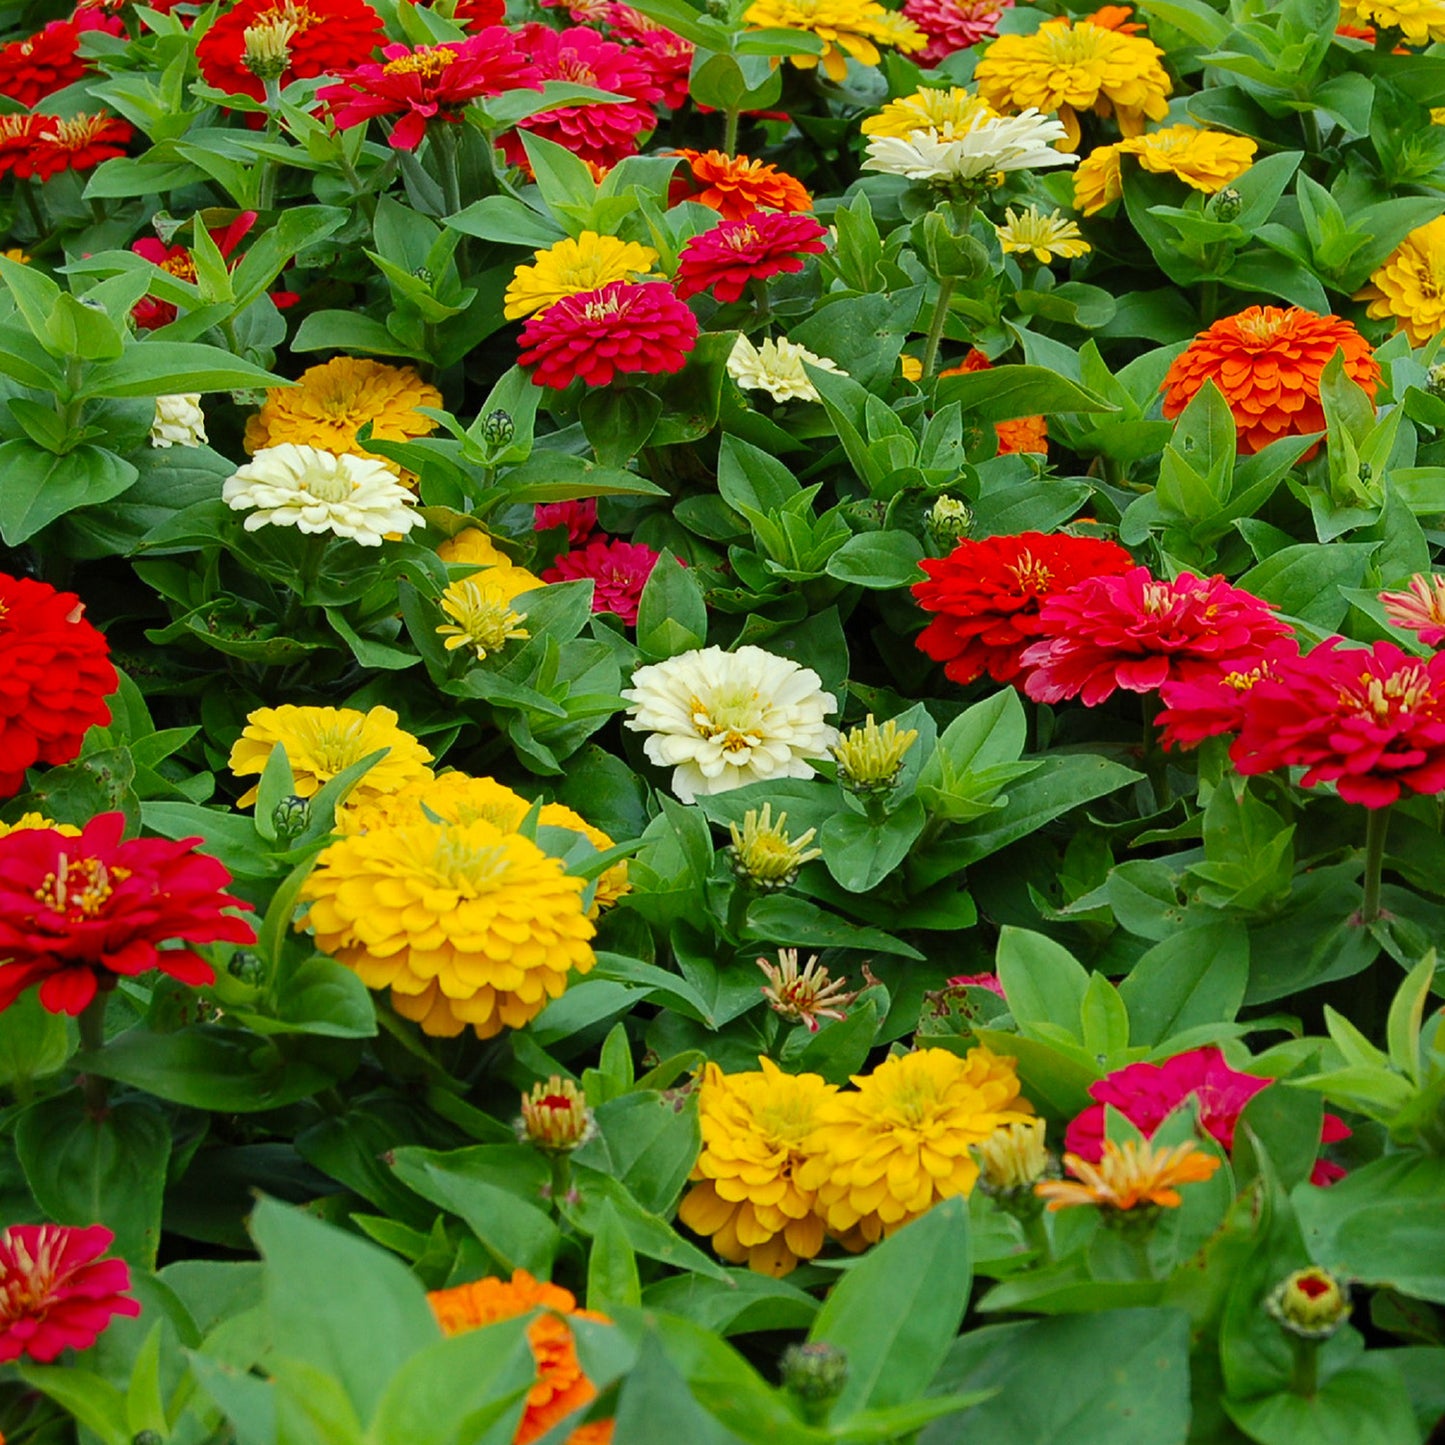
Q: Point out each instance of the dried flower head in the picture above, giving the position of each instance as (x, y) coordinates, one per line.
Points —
(804, 996)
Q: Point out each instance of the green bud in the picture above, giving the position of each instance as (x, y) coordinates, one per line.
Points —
(1227, 204)
(247, 968)
(814, 1375)
(499, 428)
(1310, 1303)
(948, 520)
(290, 817)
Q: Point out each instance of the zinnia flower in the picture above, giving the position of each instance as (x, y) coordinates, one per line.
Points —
(846, 28)
(321, 742)
(433, 82)
(479, 619)
(1099, 180)
(335, 399)
(18, 137)
(988, 594)
(1129, 1176)
(1371, 720)
(663, 51)
(151, 312)
(736, 187)
(1066, 67)
(41, 64)
(472, 547)
(466, 924)
(1212, 705)
(619, 571)
(1017, 434)
(1049, 238)
(725, 259)
(888, 1152)
(1422, 22)
(1421, 609)
(619, 328)
(578, 516)
(1268, 363)
(78, 913)
(325, 36)
(317, 491)
(1206, 160)
(746, 1194)
(721, 719)
(1136, 632)
(562, 1387)
(777, 367)
(573, 266)
(804, 995)
(55, 675)
(37, 820)
(179, 421)
(973, 154)
(1408, 288)
(950, 112)
(56, 1292)
(953, 25)
(77, 143)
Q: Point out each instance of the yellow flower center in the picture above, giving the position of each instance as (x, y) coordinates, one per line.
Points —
(473, 871)
(1032, 575)
(428, 63)
(1387, 697)
(734, 716)
(79, 888)
(1261, 323)
(579, 73)
(31, 1285)
(75, 132)
(742, 237)
(182, 266)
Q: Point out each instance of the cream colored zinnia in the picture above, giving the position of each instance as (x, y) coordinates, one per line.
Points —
(1046, 237)
(179, 421)
(776, 367)
(987, 145)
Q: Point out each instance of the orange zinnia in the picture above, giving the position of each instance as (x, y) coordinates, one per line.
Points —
(1267, 361)
(737, 187)
(1130, 1175)
(561, 1386)
(1023, 433)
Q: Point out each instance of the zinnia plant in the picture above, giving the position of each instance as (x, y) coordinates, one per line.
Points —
(618, 570)
(726, 259)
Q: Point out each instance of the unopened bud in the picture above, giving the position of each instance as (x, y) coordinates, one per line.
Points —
(1010, 1162)
(1227, 204)
(266, 45)
(247, 967)
(865, 514)
(948, 520)
(870, 757)
(499, 428)
(1435, 380)
(289, 817)
(1310, 1303)
(814, 1375)
(555, 1116)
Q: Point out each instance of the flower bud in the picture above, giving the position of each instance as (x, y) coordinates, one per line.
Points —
(1310, 1303)
(762, 854)
(247, 967)
(948, 520)
(1227, 204)
(865, 514)
(1012, 1158)
(814, 1375)
(499, 428)
(1435, 380)
(290, 817)
(870, 757)
(555, 1116)
(267, 47)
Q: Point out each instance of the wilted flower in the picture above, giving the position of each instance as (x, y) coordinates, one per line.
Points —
(1420, 609)
(807, 996)
(762, 854)
(179, 421)
(777, 367)
(555, 1116)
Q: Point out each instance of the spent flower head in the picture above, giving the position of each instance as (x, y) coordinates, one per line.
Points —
(807, 995)
(555, 1116)
(870, 757)
(762, 854)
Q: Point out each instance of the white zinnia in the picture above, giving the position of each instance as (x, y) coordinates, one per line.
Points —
(722, 719)
(179, 421)
(318, 491)
(776, 367)
(989, 143)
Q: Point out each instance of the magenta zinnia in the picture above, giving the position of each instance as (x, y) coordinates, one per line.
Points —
(618, 569)
(952, 25)
(725, 259)
(1211, 705)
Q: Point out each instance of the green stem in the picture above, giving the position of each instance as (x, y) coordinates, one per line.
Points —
(738, 905)
(1208, 302)
(32, 206)
(94, 1089)
(759, 289)
(946, 288)
(444, 140)
(730, 131)
(1377, 825)
(1304, 1378)
(266, 181)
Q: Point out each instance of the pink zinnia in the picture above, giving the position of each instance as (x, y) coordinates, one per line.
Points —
(579, 516)
(1136, 632)
(1146, 1094)
(430, 83)
(56, 1292)
(619, 569)
(1371, 720)
(1212, 704)
(767, 243)
(664, 51)
(1421, 609)
(990, 981)
(953, 25)
(594, 335)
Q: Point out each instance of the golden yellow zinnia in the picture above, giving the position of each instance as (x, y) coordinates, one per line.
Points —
(846, 28)
(884, 1155)
(1046, 237)
(465, 924)
(1098, 180)
(1410, 287)
(571, 267)
(950, 112)
(1066, 67)
(335, 400)
(26, 821)
(746, 1194)
(321, 742)
(1421, 22)
(1207, 160)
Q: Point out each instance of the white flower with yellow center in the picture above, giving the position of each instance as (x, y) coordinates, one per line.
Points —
(179, 421)
(776, 367)
(316, 491)
(985, 145)
(1047, 237)
(722, 719)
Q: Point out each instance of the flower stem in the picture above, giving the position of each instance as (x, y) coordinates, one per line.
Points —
(444, 140)
(946, 287)
(730, 131)
(94, 1089)
(1304, 1367)
(1377, 825)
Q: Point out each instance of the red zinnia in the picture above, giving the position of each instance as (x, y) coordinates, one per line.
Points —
(952, 25)
(429, 83)
(724, 259)
(328, 35)
(36, 67)
(76, 912)
(1212, 704)
(664, 51)
(18, 137)
(619, 569)
(988, 593)
(478, 14)
(594, 335)
(1146, 1094)
(77, 142)
(150, 312)
(56, 1292)
(578, 516)
(1371, 720)
(55, 675)
(1136, 632)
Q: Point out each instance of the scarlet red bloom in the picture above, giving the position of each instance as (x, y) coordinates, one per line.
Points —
(619, 569)
(1267, 362)
(724, 259)
(1371, 720)
(1146, 1094)
(151, 312)
(77, 142)
(1211, 705)
(430, 83)
(329, 35)
(56, 1292)
(1136, 632)
(988, 593)
(579, 517)
(55, 675)
(952, 25)
(76, 912)
(47, 61)
(736, 187)
(594, 335)
(18, 137)
(478, 14)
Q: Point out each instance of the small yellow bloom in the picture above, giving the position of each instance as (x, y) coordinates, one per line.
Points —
(910, 367)
(571, 267)
(1421, 22)
(846, 28)
(475, 548)
(1410, 287)
(763, 855)
(27, 821)
(1128, 1176)
(950, 112)
(869, 757)
(1047, 237)
(14, 253)
(1098, 181)
(555, 1116)
(479, 621)
(1013, 1157)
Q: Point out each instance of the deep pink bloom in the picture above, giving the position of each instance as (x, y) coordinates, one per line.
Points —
(1136, 632)
(594, 335)
(952, 25)
(1212, 704)
(619, 569)
(1146, 1094)
(76, 913)
(767, 243)
(579, 516)
(667, 54)
(1371, 720)
(56, 1292)
(429, 83)
(990, 981)
(1420, 609)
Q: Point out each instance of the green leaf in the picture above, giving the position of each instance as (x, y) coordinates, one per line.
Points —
(33, 1041)
(96, 1403)
(612, 1279)
(36, 486)
(1407, 1012)
(1364, 1401)
(1192, 977)
(861, 854)
(671, 613)
(1304, 581)
(1005, 393)
(878, 560)
(158, 368)
(1042, 980)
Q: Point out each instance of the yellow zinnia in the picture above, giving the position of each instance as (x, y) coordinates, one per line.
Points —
(746, 1193)
(950, 112)
(1066, 67)
(1422, 22)
(571, 267)
(1207, 160)
(465, 924)
(884, 1155)
(1046, 237)
(28, 821)
(335, 400)
(1098, 180)
(1410, 287)
(846, 27)
(321, 742)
